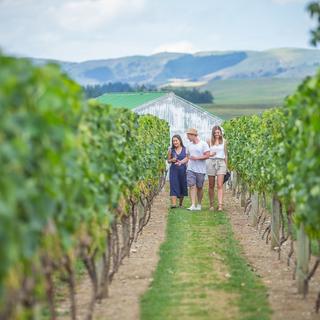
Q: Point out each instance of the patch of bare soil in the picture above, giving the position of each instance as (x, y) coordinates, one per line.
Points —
(276, 275)
(134, 276)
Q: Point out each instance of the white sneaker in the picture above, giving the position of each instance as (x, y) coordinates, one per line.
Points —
(198, 207)
(192, 208)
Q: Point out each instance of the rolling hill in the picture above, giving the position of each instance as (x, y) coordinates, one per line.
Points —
(194, 69)
(232, 76)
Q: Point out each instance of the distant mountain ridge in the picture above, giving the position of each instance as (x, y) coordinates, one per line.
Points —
(195, 69)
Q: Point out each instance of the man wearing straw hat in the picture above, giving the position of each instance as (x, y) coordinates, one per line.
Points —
(197, 153)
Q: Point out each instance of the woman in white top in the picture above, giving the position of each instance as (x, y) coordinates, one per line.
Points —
(217, 165)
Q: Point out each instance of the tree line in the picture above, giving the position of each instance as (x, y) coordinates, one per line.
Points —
(193, 95)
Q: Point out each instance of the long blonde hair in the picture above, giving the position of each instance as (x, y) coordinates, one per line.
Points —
(212, 135)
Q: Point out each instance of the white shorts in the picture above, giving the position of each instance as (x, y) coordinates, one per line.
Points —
(216, 167)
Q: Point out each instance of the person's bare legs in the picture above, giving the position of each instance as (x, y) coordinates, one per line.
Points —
(180, 201)
(199, 195)
(211, 190)
(193, 193)
(220, 178)
(173, 201)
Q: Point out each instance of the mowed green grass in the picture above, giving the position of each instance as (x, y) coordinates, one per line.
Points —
(265, 91)
(202, 273)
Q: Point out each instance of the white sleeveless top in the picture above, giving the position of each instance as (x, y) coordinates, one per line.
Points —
(219, 150)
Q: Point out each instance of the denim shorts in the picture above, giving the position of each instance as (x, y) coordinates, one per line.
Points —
(195, 178)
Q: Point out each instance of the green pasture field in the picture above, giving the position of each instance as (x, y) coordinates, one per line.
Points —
(229, 111)
(265, 91)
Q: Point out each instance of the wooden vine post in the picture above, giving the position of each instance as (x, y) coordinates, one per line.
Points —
(254, 213)
(234, 183)
(243, 194)
(275, 223)
(303, 255)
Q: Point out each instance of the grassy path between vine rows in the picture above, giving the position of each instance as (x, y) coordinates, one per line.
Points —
(202, 274)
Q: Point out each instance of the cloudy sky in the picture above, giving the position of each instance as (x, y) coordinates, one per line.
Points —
(77, 30)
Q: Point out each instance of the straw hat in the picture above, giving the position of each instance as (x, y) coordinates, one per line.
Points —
(192, 131)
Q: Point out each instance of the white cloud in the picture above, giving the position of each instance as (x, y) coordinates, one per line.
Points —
(284, 2)
(180, 46)
(87, 15)
(88, 29)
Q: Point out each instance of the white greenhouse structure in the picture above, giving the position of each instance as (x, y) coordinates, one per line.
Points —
(179, 113)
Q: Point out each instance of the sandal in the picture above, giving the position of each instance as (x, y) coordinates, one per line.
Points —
(220, 207)
(173, 207)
